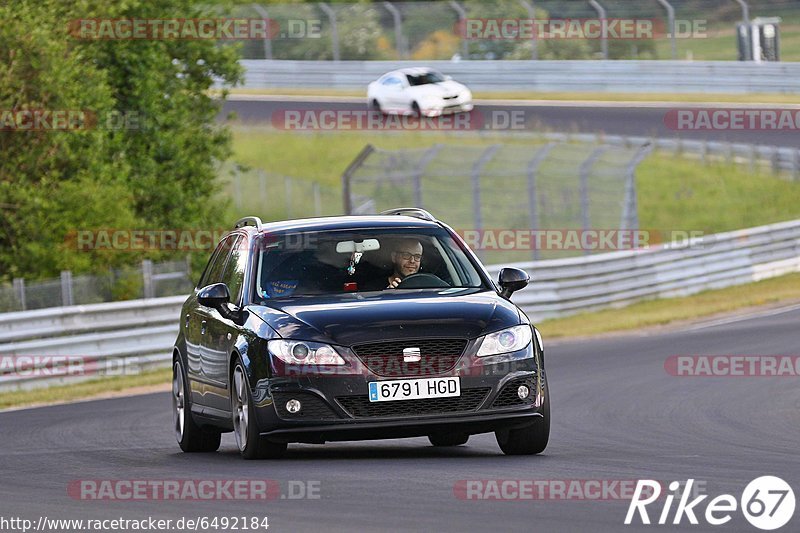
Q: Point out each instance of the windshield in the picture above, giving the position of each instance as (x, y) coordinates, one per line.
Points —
(336, 262)
(425, 78)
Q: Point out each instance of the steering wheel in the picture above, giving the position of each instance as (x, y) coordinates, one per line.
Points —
(422, 280)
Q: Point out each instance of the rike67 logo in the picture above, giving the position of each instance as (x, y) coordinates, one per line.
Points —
(767, 503)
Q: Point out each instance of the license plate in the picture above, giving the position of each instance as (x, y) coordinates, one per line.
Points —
(414, 389)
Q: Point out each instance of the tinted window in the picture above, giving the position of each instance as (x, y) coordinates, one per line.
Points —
(233, 276)
(213, 273)
(316, 263)
(424, 78)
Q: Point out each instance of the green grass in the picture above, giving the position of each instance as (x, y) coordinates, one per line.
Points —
(685, 194)
(86, 389)
(660, 312)
(674, 193)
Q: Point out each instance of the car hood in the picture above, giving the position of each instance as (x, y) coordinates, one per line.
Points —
(441, 89)
(363, 317)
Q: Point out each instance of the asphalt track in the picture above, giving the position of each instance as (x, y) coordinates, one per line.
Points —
(617, 415)
(611, 118)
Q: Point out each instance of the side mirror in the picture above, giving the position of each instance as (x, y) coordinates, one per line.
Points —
(217, 297)
(511, 280)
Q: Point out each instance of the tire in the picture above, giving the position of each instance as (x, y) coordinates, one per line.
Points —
(415, 110)
(448, 439)
(251, 444)
(191, 437)
(376, 106)
(528, 440)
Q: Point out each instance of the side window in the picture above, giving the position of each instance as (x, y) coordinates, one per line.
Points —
(213, 273)
(233, 276)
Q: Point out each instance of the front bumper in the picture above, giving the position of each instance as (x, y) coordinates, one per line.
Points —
(337, 407)
(448, 109)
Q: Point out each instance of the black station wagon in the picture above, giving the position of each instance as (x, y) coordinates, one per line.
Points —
(354, 328)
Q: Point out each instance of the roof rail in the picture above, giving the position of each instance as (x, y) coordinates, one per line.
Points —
(248, 221)
(411, 212)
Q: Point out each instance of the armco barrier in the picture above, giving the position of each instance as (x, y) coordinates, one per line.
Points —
(141, 332)
(625, 76)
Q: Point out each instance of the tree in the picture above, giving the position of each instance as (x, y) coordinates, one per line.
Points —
(159, 171)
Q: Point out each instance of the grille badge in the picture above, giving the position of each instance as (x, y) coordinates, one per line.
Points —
(411, 355)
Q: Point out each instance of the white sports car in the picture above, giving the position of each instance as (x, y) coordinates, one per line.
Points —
(418, 91)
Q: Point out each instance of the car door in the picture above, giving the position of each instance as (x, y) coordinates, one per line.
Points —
(222, 331)
(199, 323)
(393, 94)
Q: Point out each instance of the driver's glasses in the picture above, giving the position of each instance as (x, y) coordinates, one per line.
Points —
(408, 256)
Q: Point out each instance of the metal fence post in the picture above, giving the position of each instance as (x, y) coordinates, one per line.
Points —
(268, 38)
(334, 29)
(796, 165)
(462, 17)
(529, 7)
(19, 290)
(601, 13)
(398, 29)
(671, 23)
(475, 176)
(147, 279)
(533, 169)
(630, 208)
(347, 175)
(586, 168)
(776, 160)
(745, 10)
(66, 288)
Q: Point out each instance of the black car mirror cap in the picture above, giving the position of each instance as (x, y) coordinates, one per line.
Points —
(217, 297)
(511, 280)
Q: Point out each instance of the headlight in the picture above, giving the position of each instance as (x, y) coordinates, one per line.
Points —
(304, 353)
(505, 341)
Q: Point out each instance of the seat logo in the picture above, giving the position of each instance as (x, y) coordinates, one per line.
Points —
(411, 355)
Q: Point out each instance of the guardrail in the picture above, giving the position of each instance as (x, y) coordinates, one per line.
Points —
(625, 76)
(566, 286)
(140, 333)
(65, 344)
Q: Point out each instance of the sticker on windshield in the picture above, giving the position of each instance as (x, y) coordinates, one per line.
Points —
(280, 289)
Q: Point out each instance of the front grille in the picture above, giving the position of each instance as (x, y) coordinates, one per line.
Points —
(438, 356)
(508, 396)
(361, 407)
(313, 407)
(450, 97)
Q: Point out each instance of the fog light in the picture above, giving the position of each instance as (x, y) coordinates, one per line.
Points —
(293, 406)
(523, 392)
